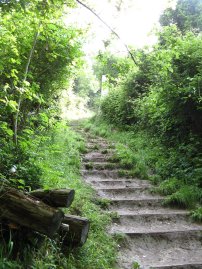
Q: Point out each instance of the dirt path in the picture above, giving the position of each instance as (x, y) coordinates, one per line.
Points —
(156, 237)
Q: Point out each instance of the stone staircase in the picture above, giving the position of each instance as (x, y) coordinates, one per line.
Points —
(155, 237)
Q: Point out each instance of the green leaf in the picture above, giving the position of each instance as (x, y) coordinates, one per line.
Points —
(12, 105)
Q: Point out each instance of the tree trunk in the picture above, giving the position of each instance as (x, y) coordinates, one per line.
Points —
(78, 231)
(29, 212)
(15, 136)
(55, 197)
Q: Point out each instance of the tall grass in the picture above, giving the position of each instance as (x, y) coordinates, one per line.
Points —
(58, 154)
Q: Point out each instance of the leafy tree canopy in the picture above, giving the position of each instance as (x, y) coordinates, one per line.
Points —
(187, 16)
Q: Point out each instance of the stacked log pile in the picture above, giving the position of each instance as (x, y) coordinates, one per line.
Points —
(40, 211)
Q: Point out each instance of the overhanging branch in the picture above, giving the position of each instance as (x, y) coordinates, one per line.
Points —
(110, 28)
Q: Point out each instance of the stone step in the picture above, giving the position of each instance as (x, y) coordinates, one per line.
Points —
(126, 193)
(100, 173)
(124, 189)
(146, 218)
(137, 224)
(156, 237)
(101, 183)
(97, 155)
(147, 211)
(195, 265)
(161, 250)
(100, 165)
(165, 232)
(93, 158)
(135, 204)
(99, 145)
(95, 140)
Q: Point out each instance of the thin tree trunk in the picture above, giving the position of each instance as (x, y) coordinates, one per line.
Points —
(15, 137)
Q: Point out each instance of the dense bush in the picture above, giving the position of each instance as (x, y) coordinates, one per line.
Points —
(38, 52)
(162, 99)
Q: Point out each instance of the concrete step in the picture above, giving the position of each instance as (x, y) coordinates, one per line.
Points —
(135, 204)
(159, 223)
(126, 193)
(195, 265)
(97, 156)
(148, 211)
(162, 250)
(100, 165)
(156, 237)
(100, 173)
(119, 183)
(99, 145)
(165, 216)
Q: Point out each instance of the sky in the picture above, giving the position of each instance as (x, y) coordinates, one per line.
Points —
(134, 22)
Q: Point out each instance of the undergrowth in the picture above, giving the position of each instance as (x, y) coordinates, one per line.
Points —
(142, 155)
(58, 156)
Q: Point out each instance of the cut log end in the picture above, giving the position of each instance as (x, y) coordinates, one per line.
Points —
(78, 231)
(84, 233)
(55, 197)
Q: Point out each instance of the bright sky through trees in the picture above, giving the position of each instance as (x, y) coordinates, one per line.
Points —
(134, 22)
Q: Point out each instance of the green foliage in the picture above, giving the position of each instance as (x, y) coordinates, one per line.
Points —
(197, 214)
(59, 158)
(187, 15)
(113, 107)
(89, 166)
(158, 110)
(168, 103)
(103, 203)
(125, 156)
(175, 171)
(136, 265)
(38, 54)
(169, 186)
(186, 196)
(119, 237)
(112, 66)
(86, 86)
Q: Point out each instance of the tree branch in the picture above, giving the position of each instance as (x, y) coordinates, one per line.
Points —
(109, 27)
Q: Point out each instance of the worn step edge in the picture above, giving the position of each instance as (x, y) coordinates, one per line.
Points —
(124, 180)
(155, 214)
(138, 200)
(133, 183)
(101, 173)
(195, 265)
(100, 166)
(141, 188)
(196, 231)
(95, 159)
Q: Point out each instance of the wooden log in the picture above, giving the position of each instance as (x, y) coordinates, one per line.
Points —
(78, 231)
(55, 197)
(29, 212)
